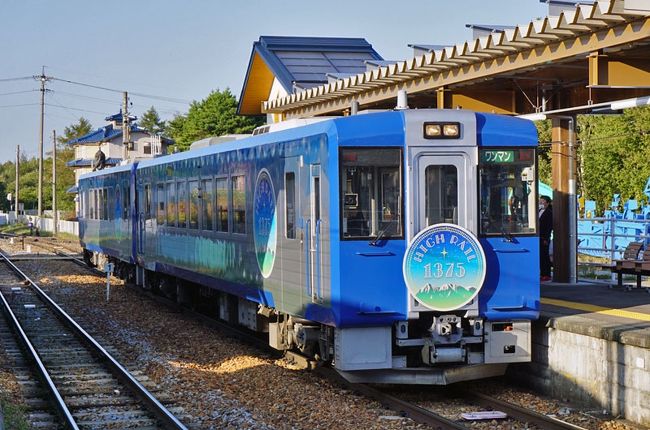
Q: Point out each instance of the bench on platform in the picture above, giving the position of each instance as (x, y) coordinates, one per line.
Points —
(628, 264)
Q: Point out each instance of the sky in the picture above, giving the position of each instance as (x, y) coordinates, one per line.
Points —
(173, 52)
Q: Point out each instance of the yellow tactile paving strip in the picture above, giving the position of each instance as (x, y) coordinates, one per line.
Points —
(639, 316)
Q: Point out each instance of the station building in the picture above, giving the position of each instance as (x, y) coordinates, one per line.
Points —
(110, 140)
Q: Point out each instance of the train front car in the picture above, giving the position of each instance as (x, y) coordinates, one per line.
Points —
(438, 255)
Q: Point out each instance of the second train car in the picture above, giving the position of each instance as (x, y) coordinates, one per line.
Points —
(400, 246)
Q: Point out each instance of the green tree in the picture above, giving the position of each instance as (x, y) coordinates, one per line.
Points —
(215, 115)
(74, 131)
(150, 121)
(544, 158)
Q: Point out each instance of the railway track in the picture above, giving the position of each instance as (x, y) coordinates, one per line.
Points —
(81, 385)
(409, 409)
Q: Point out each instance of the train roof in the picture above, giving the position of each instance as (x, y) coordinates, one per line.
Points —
(116, 169)
(387, 122)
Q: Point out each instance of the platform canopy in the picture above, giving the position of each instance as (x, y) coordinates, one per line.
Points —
(581, 54)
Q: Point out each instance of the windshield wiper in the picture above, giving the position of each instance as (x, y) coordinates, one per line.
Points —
(507, 236)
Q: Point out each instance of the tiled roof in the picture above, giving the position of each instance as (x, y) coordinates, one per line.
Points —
(118, 117)
(300, 63)
(103, 134)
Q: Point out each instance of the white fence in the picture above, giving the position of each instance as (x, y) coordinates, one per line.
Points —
(44, 224)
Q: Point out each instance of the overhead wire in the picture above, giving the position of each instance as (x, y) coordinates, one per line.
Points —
(22, 78)
(17, 92)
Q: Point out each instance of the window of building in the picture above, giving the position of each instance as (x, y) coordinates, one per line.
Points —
(222, 204)
(207, 203)
(290, 205)
(239, 204)
(371, 193)
(171, 204)
(146, 148)
(194, 204)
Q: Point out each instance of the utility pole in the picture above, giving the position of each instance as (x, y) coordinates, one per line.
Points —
(126, 130)
(55, 216)
(17, 180)
(43, 80)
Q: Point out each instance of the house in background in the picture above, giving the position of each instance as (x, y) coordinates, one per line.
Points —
(280, 66)
(109, 140)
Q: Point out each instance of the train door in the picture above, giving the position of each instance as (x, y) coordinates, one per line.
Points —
(145, 225)
(444, 186)
(314, 232)
(445, 192)
(292, 261)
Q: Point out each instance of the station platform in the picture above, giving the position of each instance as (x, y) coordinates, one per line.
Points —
(591, 345)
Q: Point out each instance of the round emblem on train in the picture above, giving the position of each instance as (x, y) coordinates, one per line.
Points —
(265, 223)
(444, 267)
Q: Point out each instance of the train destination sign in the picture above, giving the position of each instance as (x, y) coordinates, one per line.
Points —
(444, 267)
(265, 223)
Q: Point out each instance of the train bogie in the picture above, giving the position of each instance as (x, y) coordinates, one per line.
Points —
(400, 246)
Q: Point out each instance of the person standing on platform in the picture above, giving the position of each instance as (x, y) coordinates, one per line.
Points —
(545, 229)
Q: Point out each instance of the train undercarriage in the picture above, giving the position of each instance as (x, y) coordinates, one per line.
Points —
(435, 349)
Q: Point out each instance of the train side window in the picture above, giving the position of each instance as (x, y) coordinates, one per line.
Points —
(371, 193)
(160, 202)
(194, 204)
(239, 204)
(290, 205)
(171, 204)
(102, 203)
(222, 204)
(127, 199)
(207, 203)
(182, 204)
(147, 202)
(119, 203)
(92, 203)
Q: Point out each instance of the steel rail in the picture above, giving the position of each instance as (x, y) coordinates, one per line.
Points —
(59, 403)
(520, 413)
(167, 419)
(410, 410)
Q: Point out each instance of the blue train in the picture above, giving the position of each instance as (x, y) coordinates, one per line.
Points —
(400, 246)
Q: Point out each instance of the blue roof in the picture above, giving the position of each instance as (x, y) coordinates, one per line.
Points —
(103, 134)
(118, 117)
(304, 62)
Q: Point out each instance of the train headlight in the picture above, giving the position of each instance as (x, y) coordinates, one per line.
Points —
(432, 131)
(441, 130)
(451, 130)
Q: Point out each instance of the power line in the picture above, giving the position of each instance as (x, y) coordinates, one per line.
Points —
(76, 109)
(20, 105)
(22, 78)
(17, 92)
(86, 97)
(150, 96)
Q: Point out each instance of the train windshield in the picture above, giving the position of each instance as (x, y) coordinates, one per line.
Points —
(508, 192)
(371, 193)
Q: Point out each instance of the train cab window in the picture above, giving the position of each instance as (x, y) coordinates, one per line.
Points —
(182, 204)
(290, 205)
(508, 195)
(194, 204)
(239, 204)
(160, 202)
(171, 204)
(207, 203)
(441, 194)
(371, 193)
(222, 205)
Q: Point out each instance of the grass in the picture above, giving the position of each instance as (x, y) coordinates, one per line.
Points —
(20, 229)
(15, 416)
